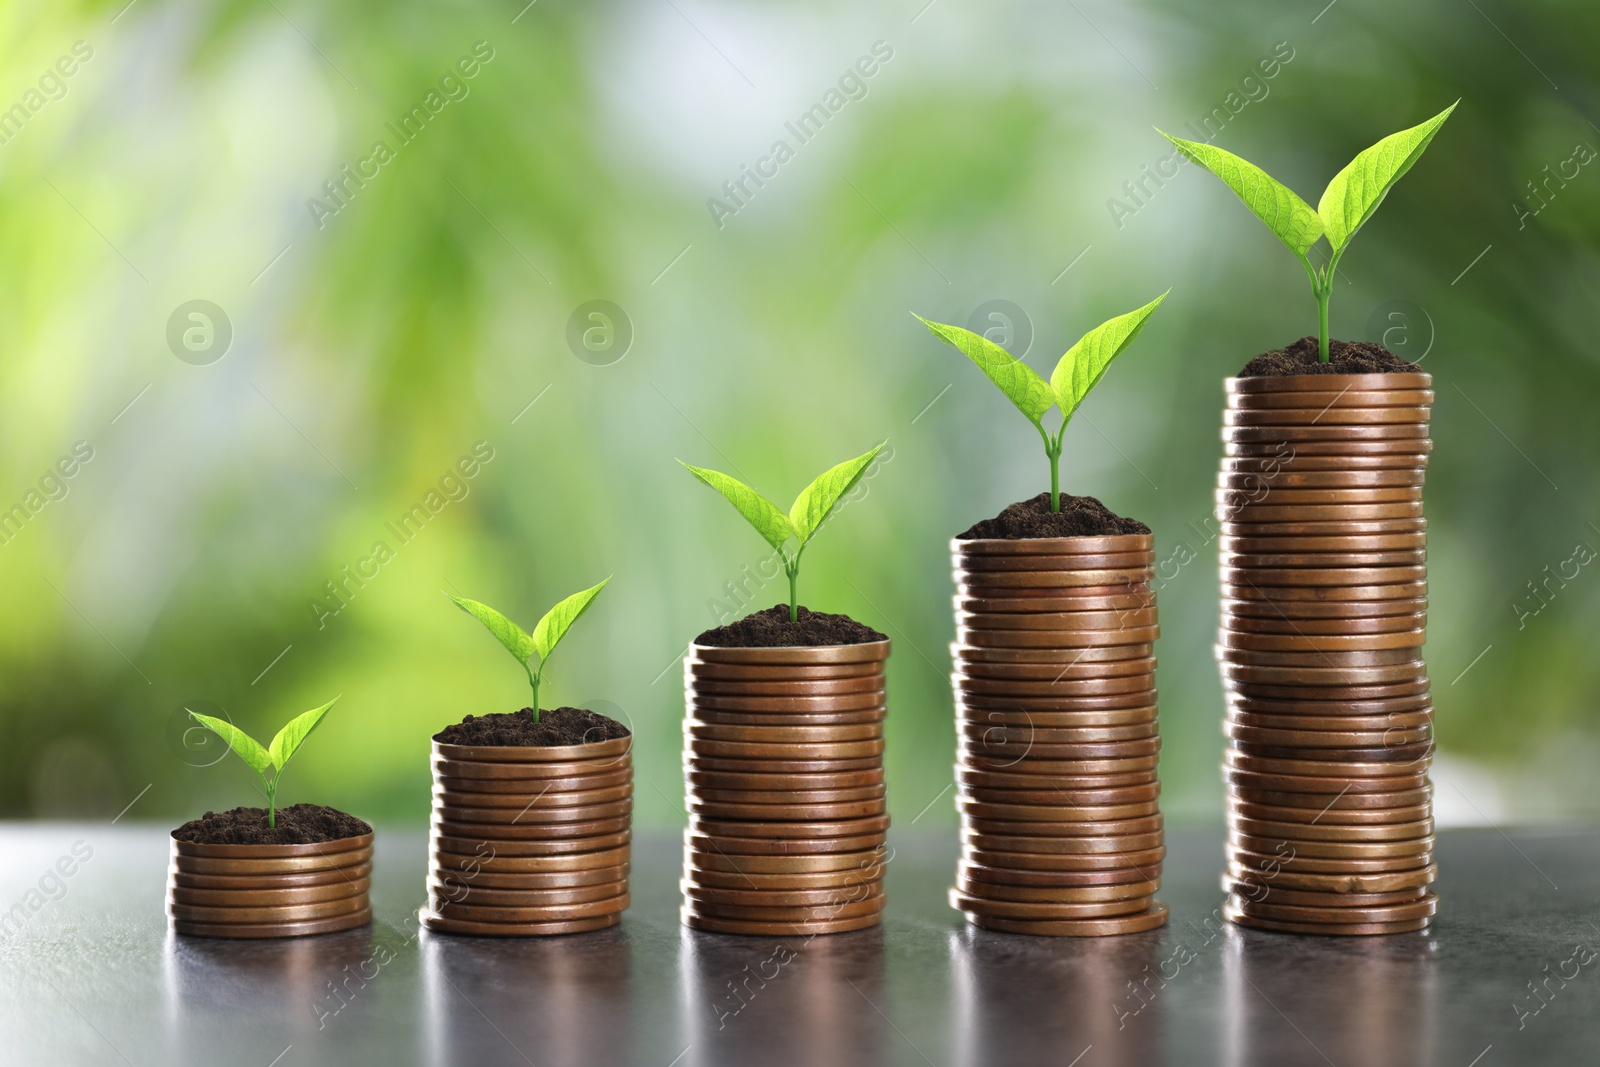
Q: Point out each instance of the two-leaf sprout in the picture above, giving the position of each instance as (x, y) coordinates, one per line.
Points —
(273, 757)
(805, 517)
(1347, 202)
(546, 635)
(1079, 371)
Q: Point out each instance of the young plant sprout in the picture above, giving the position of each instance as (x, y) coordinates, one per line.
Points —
(522, 645)
(805, 518)
(1347, 202)
(275, 756)
(1079, 371)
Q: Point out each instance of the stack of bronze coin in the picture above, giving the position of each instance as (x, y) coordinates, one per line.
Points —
(1055, 693)
(783, 756)
(1324, 609)
(529, 840)
(258, 891)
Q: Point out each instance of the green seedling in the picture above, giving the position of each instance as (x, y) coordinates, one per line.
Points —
(805, 518)
(1346, 204)
(275, 757)
(1077, 372)
(545, 637)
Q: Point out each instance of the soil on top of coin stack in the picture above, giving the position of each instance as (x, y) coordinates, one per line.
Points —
(1080, 516)
(563, 726)
(771, 628)
(1344, 357)
(298, 824)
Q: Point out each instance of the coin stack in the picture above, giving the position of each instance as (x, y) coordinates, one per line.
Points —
(783, 756)
(1056, 709)
(258, 891)
(1324, 610)
(529, 840)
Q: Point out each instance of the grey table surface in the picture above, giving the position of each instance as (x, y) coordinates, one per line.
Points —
(90, 974)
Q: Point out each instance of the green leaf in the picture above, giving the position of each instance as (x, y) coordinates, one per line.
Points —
(811, 507)
(508, 633)
(1355, 192)
(247, 747)
(295, 731)
(770, 522)
(559, 619)
(1085, 363)
(1275, 204)
(1015, 378)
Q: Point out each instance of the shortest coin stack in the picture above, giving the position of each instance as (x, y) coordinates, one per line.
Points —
(260, 891)
(1056, 712)
(528, 841)
(787, 806)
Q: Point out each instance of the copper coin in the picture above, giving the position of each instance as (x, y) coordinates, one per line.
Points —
(868, 652)
(1325, 785)
(1338, 883)
(762, 797)
(789, 718)
(1050, 852)
(482, 845)
(1321, 817)
(1139, 598)
(1332, 545)
(974, 778)
(1351, 802)
(1320, 643)
(1264, 892)
(445, 827)
(490, 913)
(784, 734)
(1320, 768)
(269, 914)
(975, 722)
(1343, 929)
(1053, 546)
(1018, 830)
(1420, 826)
(1088, 750)
(491, 821)
(1403, 757)
(781, 898)
(1137, 794)
(995, 582)
(872, 905)
(1115, 880)
(1377, 657)
(268, 898)
(1378, 382)
(1236, 558)
(522, 883)
(443, 925)
(283, 865)
(1136, 683)
(1019, 868)
(1251, 576)
(744, 672)
(586, 798)
(482, 896)
(981, 702)
(1001, 598)
(838, 810)
(1037, 894)
(1333, 850)
(1299, 913)
(975, 567)
(1299, 863)
(818, 863)
(1340, 629)
(1294, 613)
(1254, 529)
(1054, 813)
(752, 750)
(1268, 459)
(447, 864)
(315, 850)
(994, 734)
(1237, 505)
(1065, 621)
(533, 786)
(1140, 635)
(1249, 590)
(784, 846)
(1050, 672)
(1258, 442)
(1245, 479)
(742, 880)
(254, 931)
(789, 828)
(1153, 918)
(1312, 696)
(872, 683)
(592, 750)
(694, 763)
(838, 702)
(445, 768)
(1270, 738)
(1060, 768)
(780, 929)
(1332, 415)
(335, 876)
(1323, 676)
(1063, 658)
(798, 782)
(1010, 909)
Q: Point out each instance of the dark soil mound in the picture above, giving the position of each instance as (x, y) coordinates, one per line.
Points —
(563, 726)
(1080, 516)
(771, 628)
(1344, 357)
(298, 824)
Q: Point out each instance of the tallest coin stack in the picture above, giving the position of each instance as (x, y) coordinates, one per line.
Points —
(1329, 719)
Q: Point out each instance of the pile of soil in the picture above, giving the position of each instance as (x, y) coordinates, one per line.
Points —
(771, 628)
(563, 726)
(1080, 516)
(1344, 357)
(298, 824)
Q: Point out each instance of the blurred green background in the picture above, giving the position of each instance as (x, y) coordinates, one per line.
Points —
(377, 336)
